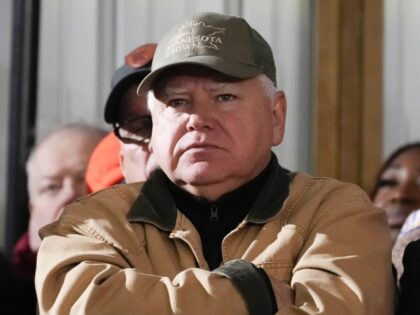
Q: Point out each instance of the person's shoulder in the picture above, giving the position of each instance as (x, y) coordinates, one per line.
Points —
(101, 216)
(311, 196)
(321, 199)
(327, 187)
(127, 192)
(112, 202)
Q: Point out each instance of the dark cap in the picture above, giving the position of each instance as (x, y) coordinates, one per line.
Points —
(136, 67)
(227, 44)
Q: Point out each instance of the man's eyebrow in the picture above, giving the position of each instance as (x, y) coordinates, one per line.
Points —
(48, 177)
(170, 88)
(215, 85)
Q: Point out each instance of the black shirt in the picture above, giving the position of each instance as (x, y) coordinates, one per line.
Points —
(215, 219)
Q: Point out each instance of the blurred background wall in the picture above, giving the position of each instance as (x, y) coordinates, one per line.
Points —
(5, 50)
(401, 73)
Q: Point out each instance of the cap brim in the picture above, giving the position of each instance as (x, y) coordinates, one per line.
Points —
(116, 94)
(230, 68)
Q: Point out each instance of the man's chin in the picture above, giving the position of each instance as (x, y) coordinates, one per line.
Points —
(201, 174)
(200, 178)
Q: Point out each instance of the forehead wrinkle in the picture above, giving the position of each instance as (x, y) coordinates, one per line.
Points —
(209, 84)
(215, 85)
(172, 87)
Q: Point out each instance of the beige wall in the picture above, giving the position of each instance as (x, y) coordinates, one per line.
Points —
(401, 73)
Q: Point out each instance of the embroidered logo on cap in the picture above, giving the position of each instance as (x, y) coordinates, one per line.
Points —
(195, 35)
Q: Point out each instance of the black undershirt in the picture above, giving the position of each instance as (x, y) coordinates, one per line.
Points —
(215, 219)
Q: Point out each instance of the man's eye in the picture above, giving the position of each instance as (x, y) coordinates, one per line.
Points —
(50, 188)
(139, 126)
(226, 97)
(177, 102)
(387, 183)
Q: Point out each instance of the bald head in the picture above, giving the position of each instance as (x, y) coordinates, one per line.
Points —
(73, 141)
(56, 173)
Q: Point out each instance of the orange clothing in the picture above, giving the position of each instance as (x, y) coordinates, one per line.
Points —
(104, 165)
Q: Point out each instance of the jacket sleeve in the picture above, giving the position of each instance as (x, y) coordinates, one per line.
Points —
(344, 263)
(81, 274)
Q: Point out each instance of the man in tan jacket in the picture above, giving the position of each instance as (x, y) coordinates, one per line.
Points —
(221, 227)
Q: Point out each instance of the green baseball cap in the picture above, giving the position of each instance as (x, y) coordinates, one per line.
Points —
(227, 44)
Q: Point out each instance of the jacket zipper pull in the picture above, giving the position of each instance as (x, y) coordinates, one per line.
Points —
(213, 213)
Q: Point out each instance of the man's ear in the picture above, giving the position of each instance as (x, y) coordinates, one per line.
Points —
(279, 109)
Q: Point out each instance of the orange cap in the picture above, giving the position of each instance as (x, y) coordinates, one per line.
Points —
(103, 169)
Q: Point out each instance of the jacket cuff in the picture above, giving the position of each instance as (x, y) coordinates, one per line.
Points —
(251, 284)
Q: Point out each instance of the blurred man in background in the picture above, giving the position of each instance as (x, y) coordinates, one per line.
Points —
(56, 176)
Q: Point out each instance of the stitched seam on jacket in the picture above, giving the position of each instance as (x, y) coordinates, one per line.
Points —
(327, 212)
(292, 207)
(89, 229)
(120, 192)
(189, 240)
(304, 231)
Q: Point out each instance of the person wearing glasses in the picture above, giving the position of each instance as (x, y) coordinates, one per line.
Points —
(124, 156)
(220, 227)
(129, 115)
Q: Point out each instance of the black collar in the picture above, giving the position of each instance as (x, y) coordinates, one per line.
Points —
(156, 204)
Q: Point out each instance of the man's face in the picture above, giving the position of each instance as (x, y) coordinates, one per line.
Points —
(56, 177)
(137, 162)
(212, 134)
(399, 189)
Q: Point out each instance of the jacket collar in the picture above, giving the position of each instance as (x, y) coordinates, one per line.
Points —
(155, 204)
(273, 194)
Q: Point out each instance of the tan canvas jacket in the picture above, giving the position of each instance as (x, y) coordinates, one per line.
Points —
(121, 251)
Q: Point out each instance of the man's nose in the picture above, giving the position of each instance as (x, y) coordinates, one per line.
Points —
(201, 117)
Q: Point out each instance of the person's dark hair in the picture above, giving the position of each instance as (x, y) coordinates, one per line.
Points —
(388, 162)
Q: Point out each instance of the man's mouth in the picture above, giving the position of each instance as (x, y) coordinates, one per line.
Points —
(200, 147)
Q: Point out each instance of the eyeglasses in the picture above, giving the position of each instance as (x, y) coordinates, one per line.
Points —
(137, 130)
